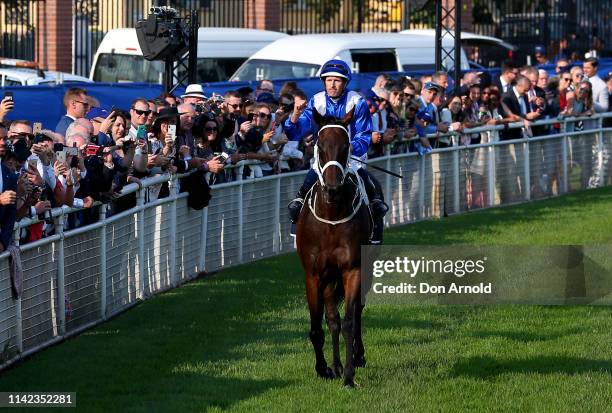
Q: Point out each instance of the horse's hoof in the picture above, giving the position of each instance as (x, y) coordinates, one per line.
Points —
(328, 374)
(349, 384)
(359, 361)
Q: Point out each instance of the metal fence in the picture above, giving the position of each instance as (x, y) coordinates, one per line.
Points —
(78, 278)
(546, 22)
(19, 21)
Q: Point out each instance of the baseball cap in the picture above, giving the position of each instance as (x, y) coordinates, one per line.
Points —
(432, 86)
(539, 49)
(97, 113)
(266, 97)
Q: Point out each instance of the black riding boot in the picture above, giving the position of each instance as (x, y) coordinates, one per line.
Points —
(378, 207)
(295, 206)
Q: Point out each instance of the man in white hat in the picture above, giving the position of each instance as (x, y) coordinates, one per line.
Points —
(194, 94)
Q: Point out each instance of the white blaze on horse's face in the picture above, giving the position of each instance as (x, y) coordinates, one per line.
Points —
(334, 86)
(330, 151)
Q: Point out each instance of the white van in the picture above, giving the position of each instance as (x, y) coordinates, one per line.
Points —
(482, 51)
(31, 77)
(303, 55)
(220, 52)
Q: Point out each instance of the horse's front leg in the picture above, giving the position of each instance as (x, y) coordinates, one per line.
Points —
(352, 285)
(314, 295)
(358, 348)
(333, 323)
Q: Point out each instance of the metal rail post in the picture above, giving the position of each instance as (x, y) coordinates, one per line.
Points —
(61, 288)
(103, 269)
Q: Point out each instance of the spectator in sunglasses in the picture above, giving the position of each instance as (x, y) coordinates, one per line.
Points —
(264, 86)
(206, 132)
(409, 92)
(153, 108)
(566, 95)
(562, 66)
(139, 114)
(20, 129)
(231, 118)
(262, 122)
(285, 108)
(77, 105)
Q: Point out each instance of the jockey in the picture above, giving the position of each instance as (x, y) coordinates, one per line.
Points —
(336, 101)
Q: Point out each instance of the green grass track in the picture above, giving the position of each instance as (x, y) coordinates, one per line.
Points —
(238, 340)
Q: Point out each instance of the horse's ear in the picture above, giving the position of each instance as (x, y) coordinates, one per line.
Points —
(348, 118)
(318, 119)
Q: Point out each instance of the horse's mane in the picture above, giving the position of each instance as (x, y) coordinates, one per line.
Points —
(324, 120)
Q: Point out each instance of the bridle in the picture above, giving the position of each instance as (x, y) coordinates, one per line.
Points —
(317, 161)
(360, 194)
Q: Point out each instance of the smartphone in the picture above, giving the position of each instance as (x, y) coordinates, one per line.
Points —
(172, 131)
(74, 151)
(250, 117)
(61, 156)
(36, 128)
(142, 132)
(8, 95)
(32, 163)
(223, 156)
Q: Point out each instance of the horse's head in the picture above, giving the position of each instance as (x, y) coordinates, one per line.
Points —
(332, 150)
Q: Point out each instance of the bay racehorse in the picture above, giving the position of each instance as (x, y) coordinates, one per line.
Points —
(331, 228)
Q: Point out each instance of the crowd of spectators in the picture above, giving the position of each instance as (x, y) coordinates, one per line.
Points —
(92, 153)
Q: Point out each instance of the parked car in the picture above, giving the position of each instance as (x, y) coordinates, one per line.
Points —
(303, 55)
(482, 51)
(220, 52)
(29, 77)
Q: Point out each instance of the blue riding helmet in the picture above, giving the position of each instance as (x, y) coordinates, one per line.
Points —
(336, 67)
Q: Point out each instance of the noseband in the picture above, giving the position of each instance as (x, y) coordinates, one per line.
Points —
(317, 162)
